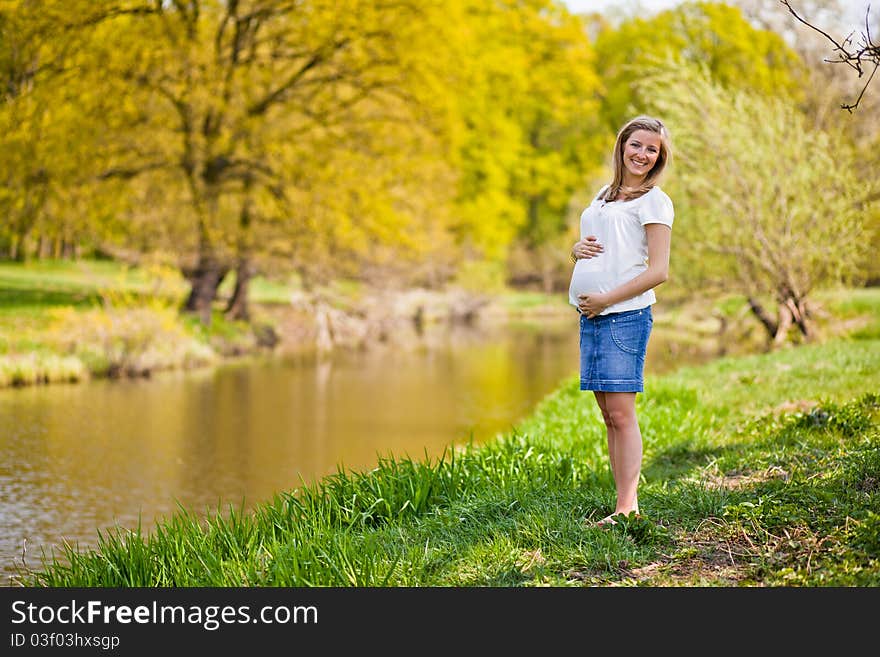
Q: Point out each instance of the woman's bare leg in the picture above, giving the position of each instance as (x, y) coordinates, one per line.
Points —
(609, 430)
(624, 446)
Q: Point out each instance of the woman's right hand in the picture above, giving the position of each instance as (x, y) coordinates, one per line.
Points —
(588, 247)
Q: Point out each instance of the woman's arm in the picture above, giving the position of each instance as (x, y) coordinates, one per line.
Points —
(659, 240)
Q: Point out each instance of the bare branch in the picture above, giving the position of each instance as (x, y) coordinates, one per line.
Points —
(862, 58)
(111, 13)
(278, 93)
(126, 173)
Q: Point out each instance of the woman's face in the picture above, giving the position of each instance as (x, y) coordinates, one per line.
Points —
(640, 153)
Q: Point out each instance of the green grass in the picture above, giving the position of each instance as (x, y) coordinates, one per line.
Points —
(31, 292)
(859, 305)
(45, 283)
(263, 290)
(761, 470)
(39, 284)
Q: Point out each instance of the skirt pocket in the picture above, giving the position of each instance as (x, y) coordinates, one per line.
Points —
(630, 332)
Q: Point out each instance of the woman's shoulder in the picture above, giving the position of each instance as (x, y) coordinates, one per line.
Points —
(654, 197)
(658, 193)
(656, 207)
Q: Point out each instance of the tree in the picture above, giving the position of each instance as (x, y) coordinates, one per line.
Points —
(42, 138)
(242, 102)
(769, 207)
(524, 93)
(824, 91)
(558, 117)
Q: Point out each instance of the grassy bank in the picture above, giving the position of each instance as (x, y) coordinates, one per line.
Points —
(759, 471)
(66, 321)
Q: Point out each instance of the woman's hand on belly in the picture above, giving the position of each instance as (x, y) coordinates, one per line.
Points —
(592, 304)
(588, 247)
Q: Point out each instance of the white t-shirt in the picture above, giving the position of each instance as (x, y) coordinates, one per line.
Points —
(619, 227)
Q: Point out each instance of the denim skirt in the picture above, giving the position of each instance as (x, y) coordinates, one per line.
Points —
(613, 348)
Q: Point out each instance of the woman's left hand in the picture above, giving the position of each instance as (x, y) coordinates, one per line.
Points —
(592, 304)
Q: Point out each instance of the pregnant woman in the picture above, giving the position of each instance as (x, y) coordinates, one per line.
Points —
(623, 254)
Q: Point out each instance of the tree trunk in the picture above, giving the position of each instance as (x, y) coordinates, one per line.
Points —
(44, 247)
(68, 249)
(766, 321)
(238, 304)
(209, 271)
(23, 225)
(204, 280)
(19, 248)
(238, 307)
(801, 315)
(323, 330)
(785, 321)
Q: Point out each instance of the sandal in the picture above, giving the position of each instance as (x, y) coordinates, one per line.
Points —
(606, 522)
(609, 521)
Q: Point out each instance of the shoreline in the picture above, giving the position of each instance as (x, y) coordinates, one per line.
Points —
(140, 341)
(142, 337)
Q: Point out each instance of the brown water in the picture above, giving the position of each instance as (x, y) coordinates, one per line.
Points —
(86, 457)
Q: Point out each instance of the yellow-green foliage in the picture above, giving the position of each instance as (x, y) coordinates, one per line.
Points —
(711, 34)
(128, 341)
(34, 368)
(768, 202)
(334, 137)
(351, 133)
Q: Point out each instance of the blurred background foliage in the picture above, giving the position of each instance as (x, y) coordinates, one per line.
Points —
(420, 143)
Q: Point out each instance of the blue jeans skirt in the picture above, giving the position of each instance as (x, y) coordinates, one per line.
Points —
(613, 348)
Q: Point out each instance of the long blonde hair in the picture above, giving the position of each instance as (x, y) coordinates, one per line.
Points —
(639, 123)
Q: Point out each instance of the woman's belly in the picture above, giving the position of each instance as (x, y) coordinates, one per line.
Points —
(588, 276)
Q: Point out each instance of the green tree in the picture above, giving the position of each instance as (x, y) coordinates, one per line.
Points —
(339, 139)
(767, 205)
(527, 98)
(710, 34)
